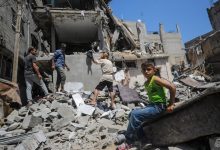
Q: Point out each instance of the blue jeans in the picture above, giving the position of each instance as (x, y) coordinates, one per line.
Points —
(138, 116)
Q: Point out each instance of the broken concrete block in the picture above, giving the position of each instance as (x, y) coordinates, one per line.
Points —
(78, 126)
(13, 126)
(31, 121)
(86, 109)
(91, 138)
(91, 128)
(126, 108)
(34, 107)
(106, 122)
(131, 105)
(33, 142)
(62, 123)
(83, 120)
(65, 112)
(55, 105)
(77, 100)
(37, 114)
(53, 114)
(22, 111)
(18, 118)
(40, 137)
(52, 134)
(11, 117)
(120, 113)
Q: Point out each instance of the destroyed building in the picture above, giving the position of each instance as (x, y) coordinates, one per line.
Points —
(80, 24)
(30, 35)
(214, 15)
(203, 52)
(65, 121)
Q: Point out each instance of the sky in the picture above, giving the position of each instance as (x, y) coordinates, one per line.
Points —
(190, 15)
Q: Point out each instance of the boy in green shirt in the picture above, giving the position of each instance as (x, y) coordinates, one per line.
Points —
(158, 103)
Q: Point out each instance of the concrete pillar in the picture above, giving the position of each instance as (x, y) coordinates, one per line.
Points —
(100, 37)
(53, 39)
(162, 37)
(140, 31)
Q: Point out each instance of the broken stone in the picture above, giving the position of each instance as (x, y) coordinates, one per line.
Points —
(12, 116)
(55, 105)
(13, 126)
(18, 118)
(77, 100)
(126, 108)
(65, 112)
(78, 126)
(62, 123)
(31, 121)
(33, 142)
(52, 134)
(131, 106)
(83, 120)
(120, 113)
(106, 122)
(90, 129)
(53, 114)
(37, 114)
(86, 109)
(22, 111)
(91, 138)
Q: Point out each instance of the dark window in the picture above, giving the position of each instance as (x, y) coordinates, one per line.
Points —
(6, 68)
(118, 64)
(131, 64)
(14, 19)
(34, 41)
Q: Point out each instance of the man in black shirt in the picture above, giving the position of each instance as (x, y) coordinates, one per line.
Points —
(32, 74)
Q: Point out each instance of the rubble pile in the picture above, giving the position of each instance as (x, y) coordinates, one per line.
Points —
(64, 123)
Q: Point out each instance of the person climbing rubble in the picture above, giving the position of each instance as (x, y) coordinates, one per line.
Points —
(106, 79)
(158, 104)
(32, 75)
(59, 64)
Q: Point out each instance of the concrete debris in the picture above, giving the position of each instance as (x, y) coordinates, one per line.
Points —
(77, 125)
(77, 100)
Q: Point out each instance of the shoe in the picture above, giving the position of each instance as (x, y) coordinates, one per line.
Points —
(124, 146)
(120, 139)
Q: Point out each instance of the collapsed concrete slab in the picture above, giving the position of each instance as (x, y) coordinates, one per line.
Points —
(196, 117)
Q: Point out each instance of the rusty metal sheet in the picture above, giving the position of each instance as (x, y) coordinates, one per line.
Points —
(190, 82)
(9, 92)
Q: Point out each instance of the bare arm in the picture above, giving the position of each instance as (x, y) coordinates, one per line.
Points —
(36, 69)
(96, 61)
(172, 89)
(66, 67)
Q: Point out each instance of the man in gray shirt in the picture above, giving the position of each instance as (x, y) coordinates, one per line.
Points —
(32, 74)
(106, 79)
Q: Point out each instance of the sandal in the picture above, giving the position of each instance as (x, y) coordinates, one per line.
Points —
(124, 146)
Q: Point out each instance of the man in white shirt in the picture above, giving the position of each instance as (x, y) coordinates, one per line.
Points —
(106, 79)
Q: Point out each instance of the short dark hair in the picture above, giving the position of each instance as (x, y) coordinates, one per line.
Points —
(145, 65)
(30, 49)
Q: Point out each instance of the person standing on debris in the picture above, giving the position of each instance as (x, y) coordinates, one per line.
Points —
(59, 64)
(32, 74)
(158, 103)
(106, 79)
